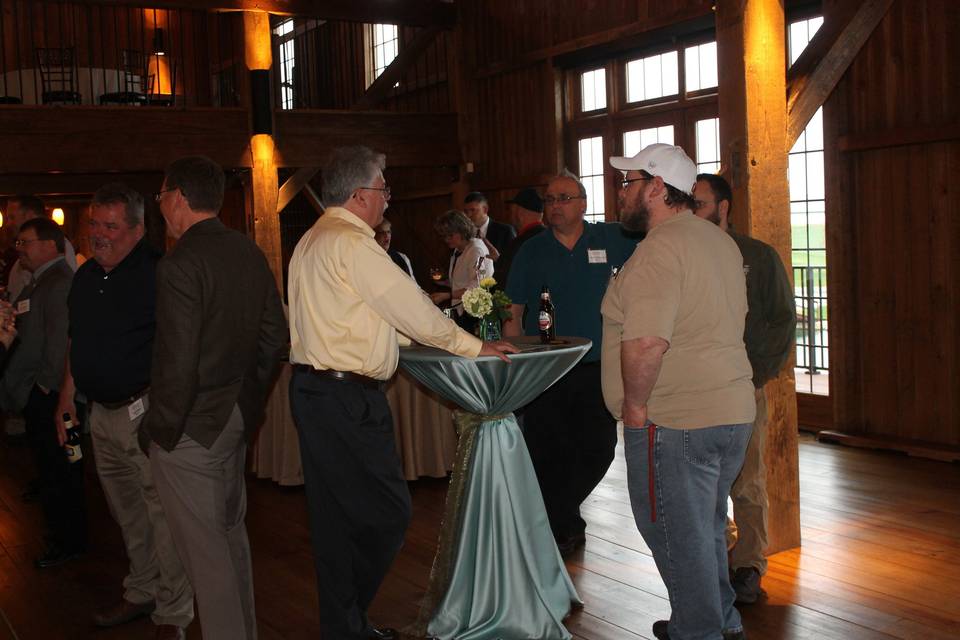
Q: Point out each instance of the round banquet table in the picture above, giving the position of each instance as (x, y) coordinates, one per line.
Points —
(497, 572)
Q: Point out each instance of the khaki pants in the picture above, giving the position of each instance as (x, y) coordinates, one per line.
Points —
(156, 573)
(749, 494)
(204, 495)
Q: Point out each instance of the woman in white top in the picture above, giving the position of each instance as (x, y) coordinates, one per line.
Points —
(469, 253)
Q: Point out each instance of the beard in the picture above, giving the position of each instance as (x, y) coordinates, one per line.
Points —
(635, 218)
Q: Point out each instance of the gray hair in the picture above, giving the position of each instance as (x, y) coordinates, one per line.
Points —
(349, 169)
(454, 221)
(119, 193)
(566, 173)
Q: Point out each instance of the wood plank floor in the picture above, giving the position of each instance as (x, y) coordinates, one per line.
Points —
(880, 559)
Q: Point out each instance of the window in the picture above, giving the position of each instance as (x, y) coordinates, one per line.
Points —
(286, 55)
(591, 174)
(807, 223)
(708, 145)
(653, 77)
(593, 90)
(653, 103)
(700, 66)
(634, 141)
(383, 46)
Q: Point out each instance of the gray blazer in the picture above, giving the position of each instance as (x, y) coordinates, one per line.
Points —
(37, 356)
(220, 335)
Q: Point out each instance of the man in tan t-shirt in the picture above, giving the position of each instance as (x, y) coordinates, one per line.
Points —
(675, 371)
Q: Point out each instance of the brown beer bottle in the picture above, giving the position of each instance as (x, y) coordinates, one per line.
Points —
(547, 318)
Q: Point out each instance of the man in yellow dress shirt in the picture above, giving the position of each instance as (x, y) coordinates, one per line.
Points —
(350, 307)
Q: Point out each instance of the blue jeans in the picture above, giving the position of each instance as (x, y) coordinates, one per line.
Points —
(693, 471)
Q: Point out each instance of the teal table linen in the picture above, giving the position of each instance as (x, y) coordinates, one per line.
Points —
(497, 572)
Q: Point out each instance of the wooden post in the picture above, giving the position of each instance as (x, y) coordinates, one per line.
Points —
(753, 117)
(264, 188)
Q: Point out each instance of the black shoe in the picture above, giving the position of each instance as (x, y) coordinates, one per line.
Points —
(54, 556)
(660, 632)
(746, 583)
(384, 634)
(569, 544)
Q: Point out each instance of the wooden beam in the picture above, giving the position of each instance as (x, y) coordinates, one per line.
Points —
(821, 65)
(306, 136)
(751, 66)
(409, 54)
(313, 199)
(617, 35)
(293, 185)
(76, 186)
(886, 138)
(100, 139)
(408, 12)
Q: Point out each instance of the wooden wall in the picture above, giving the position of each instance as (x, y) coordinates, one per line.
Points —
(893, 229)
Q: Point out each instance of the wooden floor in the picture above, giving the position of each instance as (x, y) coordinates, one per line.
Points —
(880, 559)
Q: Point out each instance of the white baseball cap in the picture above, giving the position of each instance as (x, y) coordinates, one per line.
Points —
(665, 160)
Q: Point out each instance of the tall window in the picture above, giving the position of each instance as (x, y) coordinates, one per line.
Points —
(807, 218)
(284, 32)
(666, 95)
(383, 45)
(591, 174)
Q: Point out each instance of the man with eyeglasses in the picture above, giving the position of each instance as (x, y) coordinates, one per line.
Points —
(769, 337)
(220, 335)
(21, 208)
(112, 321)
(568, 431)
(31, 379)
(675, 371)
(350, 308)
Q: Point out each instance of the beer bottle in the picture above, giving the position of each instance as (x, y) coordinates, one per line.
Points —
(72, 445)
(547, 317)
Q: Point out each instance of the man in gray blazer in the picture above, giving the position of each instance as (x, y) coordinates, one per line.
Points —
(220, 334)
(31, 378)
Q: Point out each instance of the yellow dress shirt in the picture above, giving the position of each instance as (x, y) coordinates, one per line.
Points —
(349, 303)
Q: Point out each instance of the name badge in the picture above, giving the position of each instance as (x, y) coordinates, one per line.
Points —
(597, 256)
(23, 306)
(135, 409)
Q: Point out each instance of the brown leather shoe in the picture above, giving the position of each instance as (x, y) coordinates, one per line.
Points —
(121, 612)
(169, 632)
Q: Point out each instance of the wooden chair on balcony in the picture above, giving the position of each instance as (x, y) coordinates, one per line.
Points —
(135, 82)
(58, 75)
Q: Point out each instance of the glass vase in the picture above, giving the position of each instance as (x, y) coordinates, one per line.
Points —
(489, 329)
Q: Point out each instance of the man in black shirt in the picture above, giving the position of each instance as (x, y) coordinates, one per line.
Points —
(112, 319)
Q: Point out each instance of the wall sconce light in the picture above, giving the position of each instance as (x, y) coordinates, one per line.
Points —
(1, 218)
(57, 216)
(158, 48)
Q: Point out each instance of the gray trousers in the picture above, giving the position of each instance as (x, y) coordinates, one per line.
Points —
(204, 495)
(156, 572)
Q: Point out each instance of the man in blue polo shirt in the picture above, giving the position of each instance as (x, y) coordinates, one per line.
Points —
(568, 430)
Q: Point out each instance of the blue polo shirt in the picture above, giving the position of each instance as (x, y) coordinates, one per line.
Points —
(577, 279)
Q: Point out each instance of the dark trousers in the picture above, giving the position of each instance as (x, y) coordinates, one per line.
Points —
(571, 438)
(61, 482)
(357, 498)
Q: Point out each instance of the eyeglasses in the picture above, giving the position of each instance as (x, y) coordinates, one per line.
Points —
(561, 199)
(159, 194)
(22, 243)
(625, 183)
(385, 189)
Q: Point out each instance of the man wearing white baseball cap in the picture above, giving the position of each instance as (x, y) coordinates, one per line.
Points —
(676, 372)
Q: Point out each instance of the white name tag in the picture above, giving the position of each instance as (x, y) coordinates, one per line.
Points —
(597, 256)
(23, 306)
(135, 409)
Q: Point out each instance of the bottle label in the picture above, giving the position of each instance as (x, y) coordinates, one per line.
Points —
(73, 452)
(546, 321)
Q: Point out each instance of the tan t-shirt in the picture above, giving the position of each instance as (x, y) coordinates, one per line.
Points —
(685, 284)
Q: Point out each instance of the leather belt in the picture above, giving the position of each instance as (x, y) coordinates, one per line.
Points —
(342, 376)
(113, 406)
